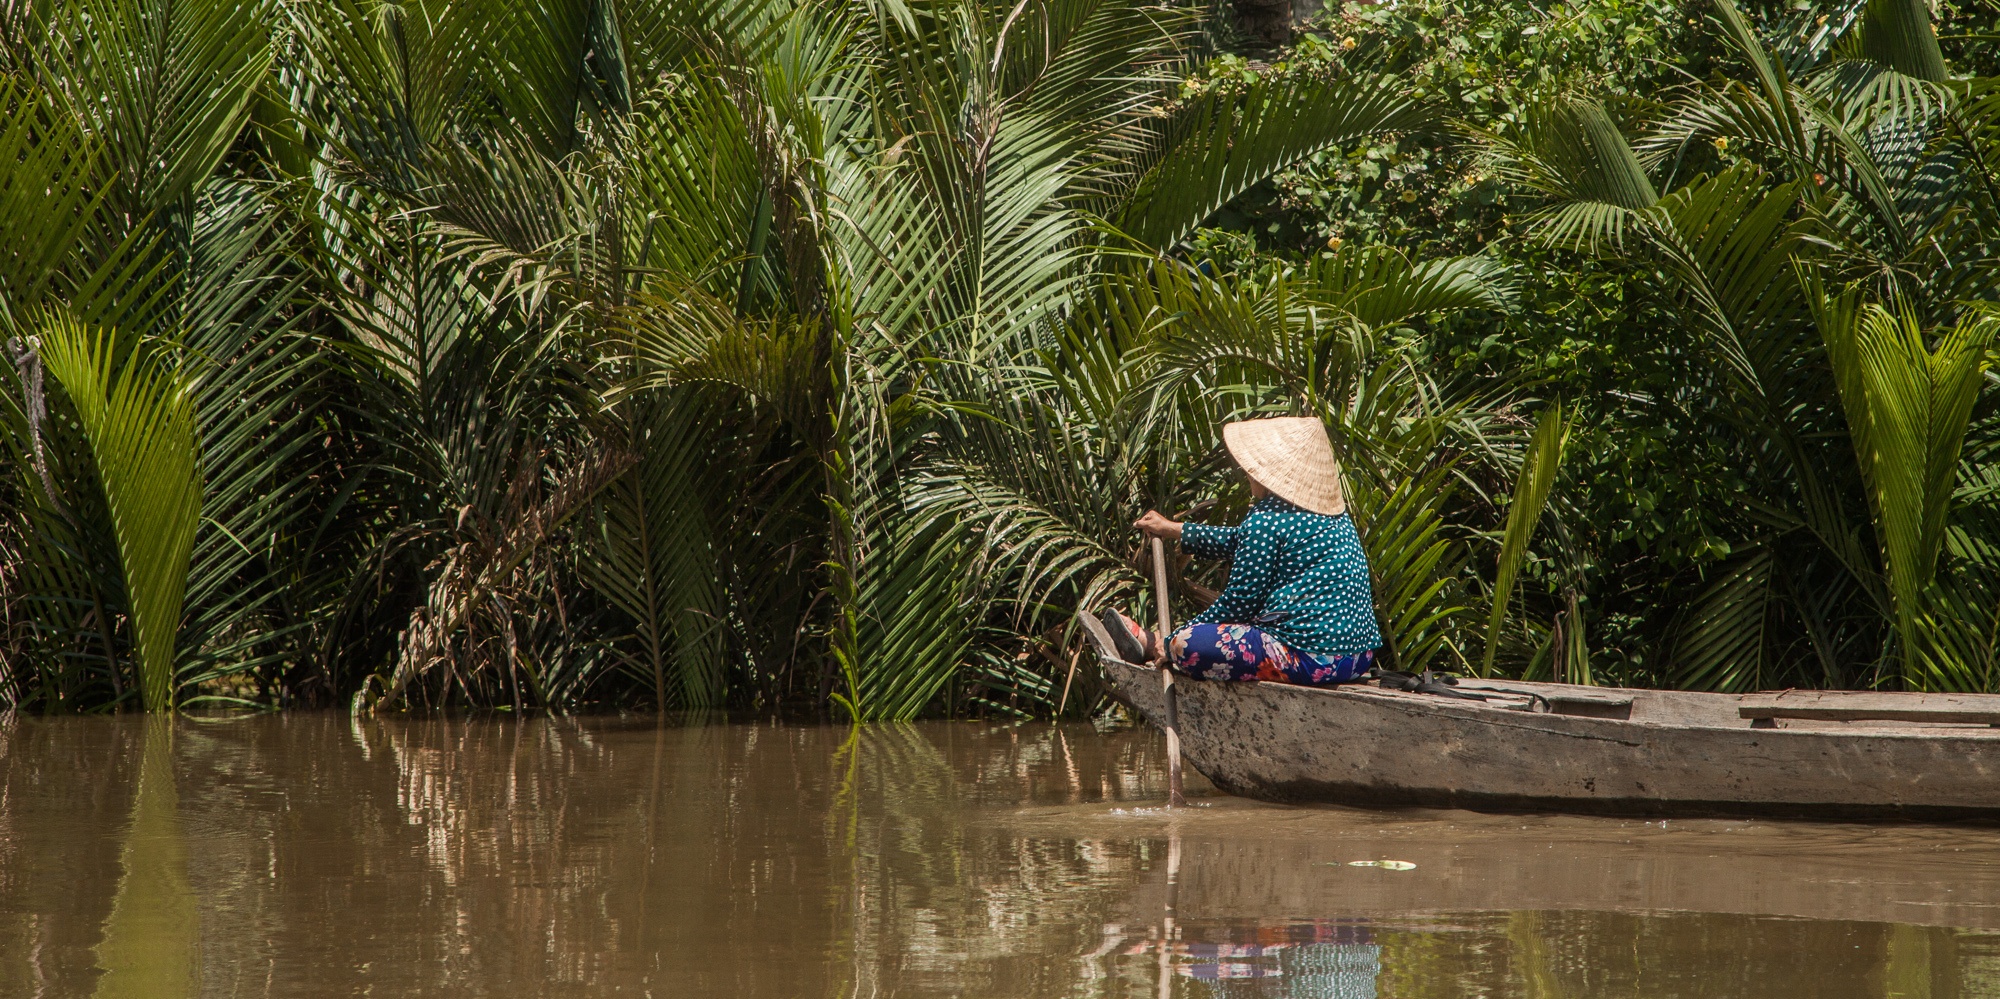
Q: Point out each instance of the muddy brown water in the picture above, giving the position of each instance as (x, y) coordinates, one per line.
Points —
(318, 855)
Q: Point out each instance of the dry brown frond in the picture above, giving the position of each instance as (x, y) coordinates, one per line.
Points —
(468, 622)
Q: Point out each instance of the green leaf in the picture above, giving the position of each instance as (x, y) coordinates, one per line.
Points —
(912, 617)
(652, 551)
(140, 421)
(1379, 286)
(1721, 643)
(166, 84)
(1531, 495)
(47, 166)
(1415, 566)
(1569, 149)
(1219, 144)
(1898, 34)
(1908, 407)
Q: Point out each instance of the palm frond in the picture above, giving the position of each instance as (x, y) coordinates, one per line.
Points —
(1217, 145)
(686, 336)
(140, 421)
(1911, 405)
(1898, 35)
(556, 63)
(1961, 613)
(1722, 637)
(912, 613)
(1570, 149)
(248, 368)
(392, 80)
(1100, 65)
(1416, 568)
(668, 38)
(652, 554)
(1539, 467)
(166, 86)
(48, 166)
(1379, 286)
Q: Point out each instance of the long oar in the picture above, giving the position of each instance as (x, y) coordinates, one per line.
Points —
(1173, 726)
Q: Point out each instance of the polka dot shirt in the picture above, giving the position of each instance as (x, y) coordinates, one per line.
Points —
(1297, 575)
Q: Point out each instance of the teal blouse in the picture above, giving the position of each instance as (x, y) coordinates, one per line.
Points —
(1297, 575)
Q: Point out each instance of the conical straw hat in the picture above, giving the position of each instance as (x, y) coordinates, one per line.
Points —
(1291, 457)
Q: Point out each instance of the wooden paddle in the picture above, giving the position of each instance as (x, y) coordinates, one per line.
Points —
(1174, 797)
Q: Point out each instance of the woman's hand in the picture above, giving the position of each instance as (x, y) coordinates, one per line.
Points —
(1155, 525)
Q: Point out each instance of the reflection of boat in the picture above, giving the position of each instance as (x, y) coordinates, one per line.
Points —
(1325, 959)
(1587, 749)
(1333, 949)
(1322, 971)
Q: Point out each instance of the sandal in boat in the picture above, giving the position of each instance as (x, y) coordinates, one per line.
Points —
(1122, 639)
(1099, 636)
(1427, 682)
(1440, 685)
(1393, 679)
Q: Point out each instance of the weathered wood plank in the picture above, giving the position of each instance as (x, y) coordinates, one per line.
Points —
(1939, 716)
(1828, 705)
(1589, 697)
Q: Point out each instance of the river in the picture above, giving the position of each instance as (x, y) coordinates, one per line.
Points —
(309, 855)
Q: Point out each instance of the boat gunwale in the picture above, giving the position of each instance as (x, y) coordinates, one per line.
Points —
(1555, 723)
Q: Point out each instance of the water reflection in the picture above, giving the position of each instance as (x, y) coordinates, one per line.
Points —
(150, 941)
(305, 856)
(1334, 960)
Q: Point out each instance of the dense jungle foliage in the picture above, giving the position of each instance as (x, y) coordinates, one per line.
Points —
(777, 355)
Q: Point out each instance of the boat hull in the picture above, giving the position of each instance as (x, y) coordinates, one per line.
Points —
(1677, 754)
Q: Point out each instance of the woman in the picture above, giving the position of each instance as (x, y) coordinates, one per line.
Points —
(1298, 607)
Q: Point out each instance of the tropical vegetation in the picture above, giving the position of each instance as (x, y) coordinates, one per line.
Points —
(775, 355)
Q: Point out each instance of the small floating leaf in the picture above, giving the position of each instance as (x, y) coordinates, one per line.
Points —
(1387, 865)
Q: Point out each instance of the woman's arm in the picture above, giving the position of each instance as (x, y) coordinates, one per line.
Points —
(1199, 540)
(1206, 541)
(1251, 575)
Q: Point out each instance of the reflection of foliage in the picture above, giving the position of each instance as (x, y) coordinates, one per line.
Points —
(932, 898)
(1568, 954)
(150, 940)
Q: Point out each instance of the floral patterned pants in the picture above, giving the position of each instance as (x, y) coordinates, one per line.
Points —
(1244, 652)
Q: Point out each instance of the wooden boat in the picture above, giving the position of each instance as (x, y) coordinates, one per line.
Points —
(1568, 748)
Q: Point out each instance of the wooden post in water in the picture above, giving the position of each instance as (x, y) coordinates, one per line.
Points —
(1174, 797)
